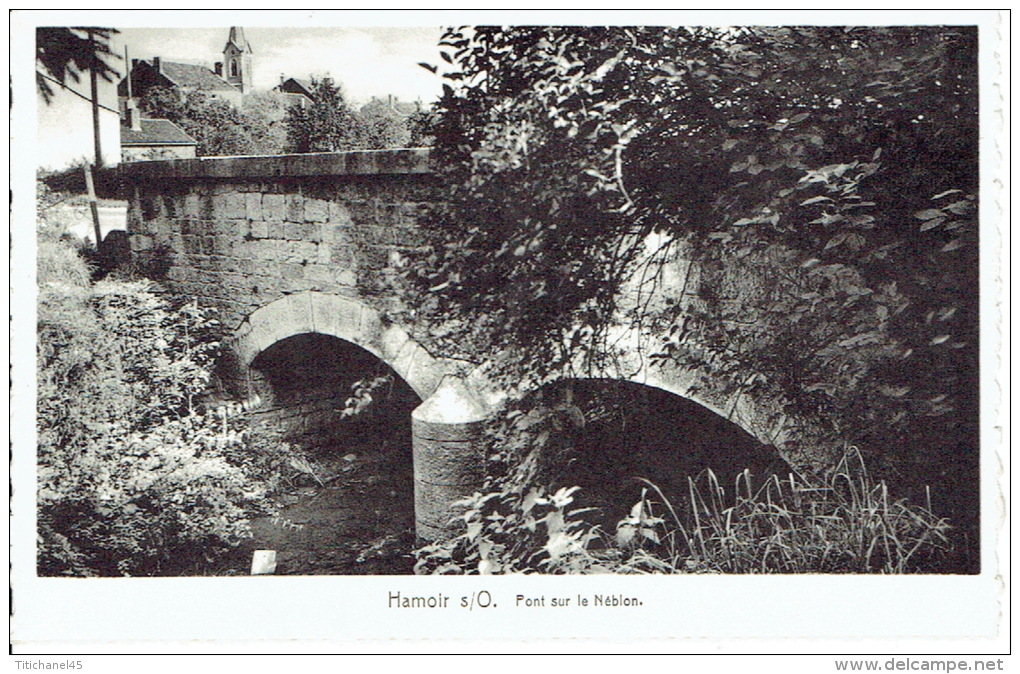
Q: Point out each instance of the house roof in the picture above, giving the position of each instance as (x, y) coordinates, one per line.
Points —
(392, 104)
(187, 76)
(155, 132)
(295, 85)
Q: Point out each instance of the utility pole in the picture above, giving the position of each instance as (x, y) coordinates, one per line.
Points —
(127, 67)
(89, 184)
(94, 79)
(90, 187)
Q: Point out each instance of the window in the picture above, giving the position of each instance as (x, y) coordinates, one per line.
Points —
(233, 68)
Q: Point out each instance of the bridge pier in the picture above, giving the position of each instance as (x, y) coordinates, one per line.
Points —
(449, 455)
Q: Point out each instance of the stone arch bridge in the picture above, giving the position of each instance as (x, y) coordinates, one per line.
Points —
(295, 245)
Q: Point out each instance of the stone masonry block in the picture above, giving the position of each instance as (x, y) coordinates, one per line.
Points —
(318, 273)
(300, 251)
(322, 254)
(295, 208)
(259, 229)
(267, 250)
(316, 210)
(339, 234)
(274, 207)
(140, 242)
(245, 264)
(343, 256)
(362, 212)
(253, 206)
(274, 229)
(191, 205)
(346, 277)
(231, 227)
(206, 207)
(290, 315)
(392, 340)
(230, 205)
(402, 360)
(426, 372)
(340, 317)
(292, 270)
(302, 318)
(311, 232)
(370, 329)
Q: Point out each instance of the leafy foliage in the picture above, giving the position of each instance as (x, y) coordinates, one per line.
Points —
(420, 126)
(361, 395)
(383, 129)
(505, 533)
(268, 112)
(219, 127)
(64, 53)
(330, 124)
(327, 125)
(132, 479)
(821, 181)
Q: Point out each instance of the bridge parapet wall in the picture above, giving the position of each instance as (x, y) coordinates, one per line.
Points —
(241, 232)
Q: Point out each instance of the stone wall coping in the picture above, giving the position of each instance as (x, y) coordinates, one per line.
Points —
(353, 163)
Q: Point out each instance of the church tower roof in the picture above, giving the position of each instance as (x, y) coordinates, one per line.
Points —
(238, 40)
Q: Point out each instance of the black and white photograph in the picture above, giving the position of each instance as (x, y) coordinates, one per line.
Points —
(540, 318)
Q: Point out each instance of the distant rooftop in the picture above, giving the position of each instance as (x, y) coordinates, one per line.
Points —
(186, 75)
(393, 104)
(155, 132)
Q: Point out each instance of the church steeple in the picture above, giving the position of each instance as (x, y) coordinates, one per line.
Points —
(237, 60)
(238, 40)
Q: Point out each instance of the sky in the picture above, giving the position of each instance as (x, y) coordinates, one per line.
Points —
(366, 61)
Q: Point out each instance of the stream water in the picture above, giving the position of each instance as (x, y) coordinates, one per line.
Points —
(356, 516)
(358, 520)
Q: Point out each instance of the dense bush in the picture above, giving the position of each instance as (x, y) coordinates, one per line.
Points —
(821, 182)
(330, 124)
(132, 478)
(219, 127)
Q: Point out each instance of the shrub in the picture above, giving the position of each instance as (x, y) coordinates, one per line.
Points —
(506, 532)
(145, 503)
(131, 478)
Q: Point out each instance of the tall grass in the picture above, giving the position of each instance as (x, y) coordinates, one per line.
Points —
(847, 524)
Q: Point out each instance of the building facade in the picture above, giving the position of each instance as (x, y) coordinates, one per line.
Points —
(229, 80)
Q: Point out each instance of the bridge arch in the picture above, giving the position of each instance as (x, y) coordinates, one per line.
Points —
(312, 312)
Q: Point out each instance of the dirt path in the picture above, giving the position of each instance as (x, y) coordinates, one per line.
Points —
(360, 522)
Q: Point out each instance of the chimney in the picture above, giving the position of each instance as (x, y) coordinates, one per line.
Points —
(157, 63)
(132, 116)
(282, 80)
(218, 68)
